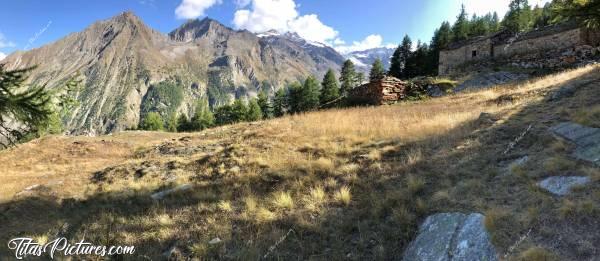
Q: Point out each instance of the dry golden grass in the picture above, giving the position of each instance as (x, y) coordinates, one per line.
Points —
(355, 181)
(343, 195)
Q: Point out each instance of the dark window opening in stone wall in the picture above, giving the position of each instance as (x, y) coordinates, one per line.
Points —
(474, 54)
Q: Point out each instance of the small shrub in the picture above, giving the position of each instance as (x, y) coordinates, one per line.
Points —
(343, 195)
(225, 206)
(315, 199)
(502, 226)
(349, 169)
(283, 200)
(558, 164)
(264, 215)
(570, 209)
(415, 184)
(323, 165)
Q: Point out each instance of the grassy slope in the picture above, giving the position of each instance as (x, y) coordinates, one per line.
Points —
(352, 183)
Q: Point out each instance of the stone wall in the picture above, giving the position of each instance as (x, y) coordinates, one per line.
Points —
(592, 37)
(548, 43)
(389, 90)
(557, 41)
(475, 51)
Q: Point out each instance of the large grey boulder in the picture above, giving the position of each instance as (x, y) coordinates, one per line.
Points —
(452, 236)
(587, 140)
(562, 186)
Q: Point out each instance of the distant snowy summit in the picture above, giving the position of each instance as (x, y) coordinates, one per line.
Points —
(292, 36)
(363, 60)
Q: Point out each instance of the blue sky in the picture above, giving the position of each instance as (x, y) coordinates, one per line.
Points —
(346, 25)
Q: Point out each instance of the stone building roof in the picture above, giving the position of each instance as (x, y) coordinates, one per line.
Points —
(504, 36)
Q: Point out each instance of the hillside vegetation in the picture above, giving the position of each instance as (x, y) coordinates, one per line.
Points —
(338, 184)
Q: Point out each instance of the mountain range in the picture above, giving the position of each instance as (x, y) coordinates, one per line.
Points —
(128, 69)
(363, 60)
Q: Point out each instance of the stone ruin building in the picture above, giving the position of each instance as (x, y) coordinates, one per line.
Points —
(556, 45)
(388, 90)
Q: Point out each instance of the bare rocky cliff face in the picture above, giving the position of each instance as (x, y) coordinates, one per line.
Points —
(129, 69)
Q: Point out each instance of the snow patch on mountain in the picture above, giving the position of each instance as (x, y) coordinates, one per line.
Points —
(364, 59)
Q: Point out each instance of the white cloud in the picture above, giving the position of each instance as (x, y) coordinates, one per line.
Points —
(311, 28)
(5, 43)
(265, 15)
(282, 16)
(370, 42)
(190, 9)
(2, 56)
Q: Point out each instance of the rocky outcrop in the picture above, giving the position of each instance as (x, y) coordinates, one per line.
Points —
(586, 139)
(388, 90)
(562, 186)
(452, 236)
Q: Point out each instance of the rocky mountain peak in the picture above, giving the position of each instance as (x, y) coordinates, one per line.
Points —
(125, 18)
(195, 28)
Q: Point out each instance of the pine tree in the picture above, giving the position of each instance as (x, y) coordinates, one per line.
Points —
(480, 25)
(399, 58)
(347, 77)
(418, 63)
(460, 30)
(310, 94)
(203, 118)
(518, 18)
(29, 106)
(360, 78)
(294, 97)
(225, 115)
(330, 90)
(239, 111)
(377, 71)
(152, 122)
(440, 41)
(495, 23)
(280, 103)
(254, 111)
(586, 12)
(172, 123)
(265, 105)
(183, 124)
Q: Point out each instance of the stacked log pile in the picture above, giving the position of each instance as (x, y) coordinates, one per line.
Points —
(388, 90)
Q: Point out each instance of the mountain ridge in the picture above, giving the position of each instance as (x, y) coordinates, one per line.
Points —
(119, 59)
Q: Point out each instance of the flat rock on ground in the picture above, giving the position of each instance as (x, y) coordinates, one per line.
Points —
(562, 186)
(587, 140)
(452, 236)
